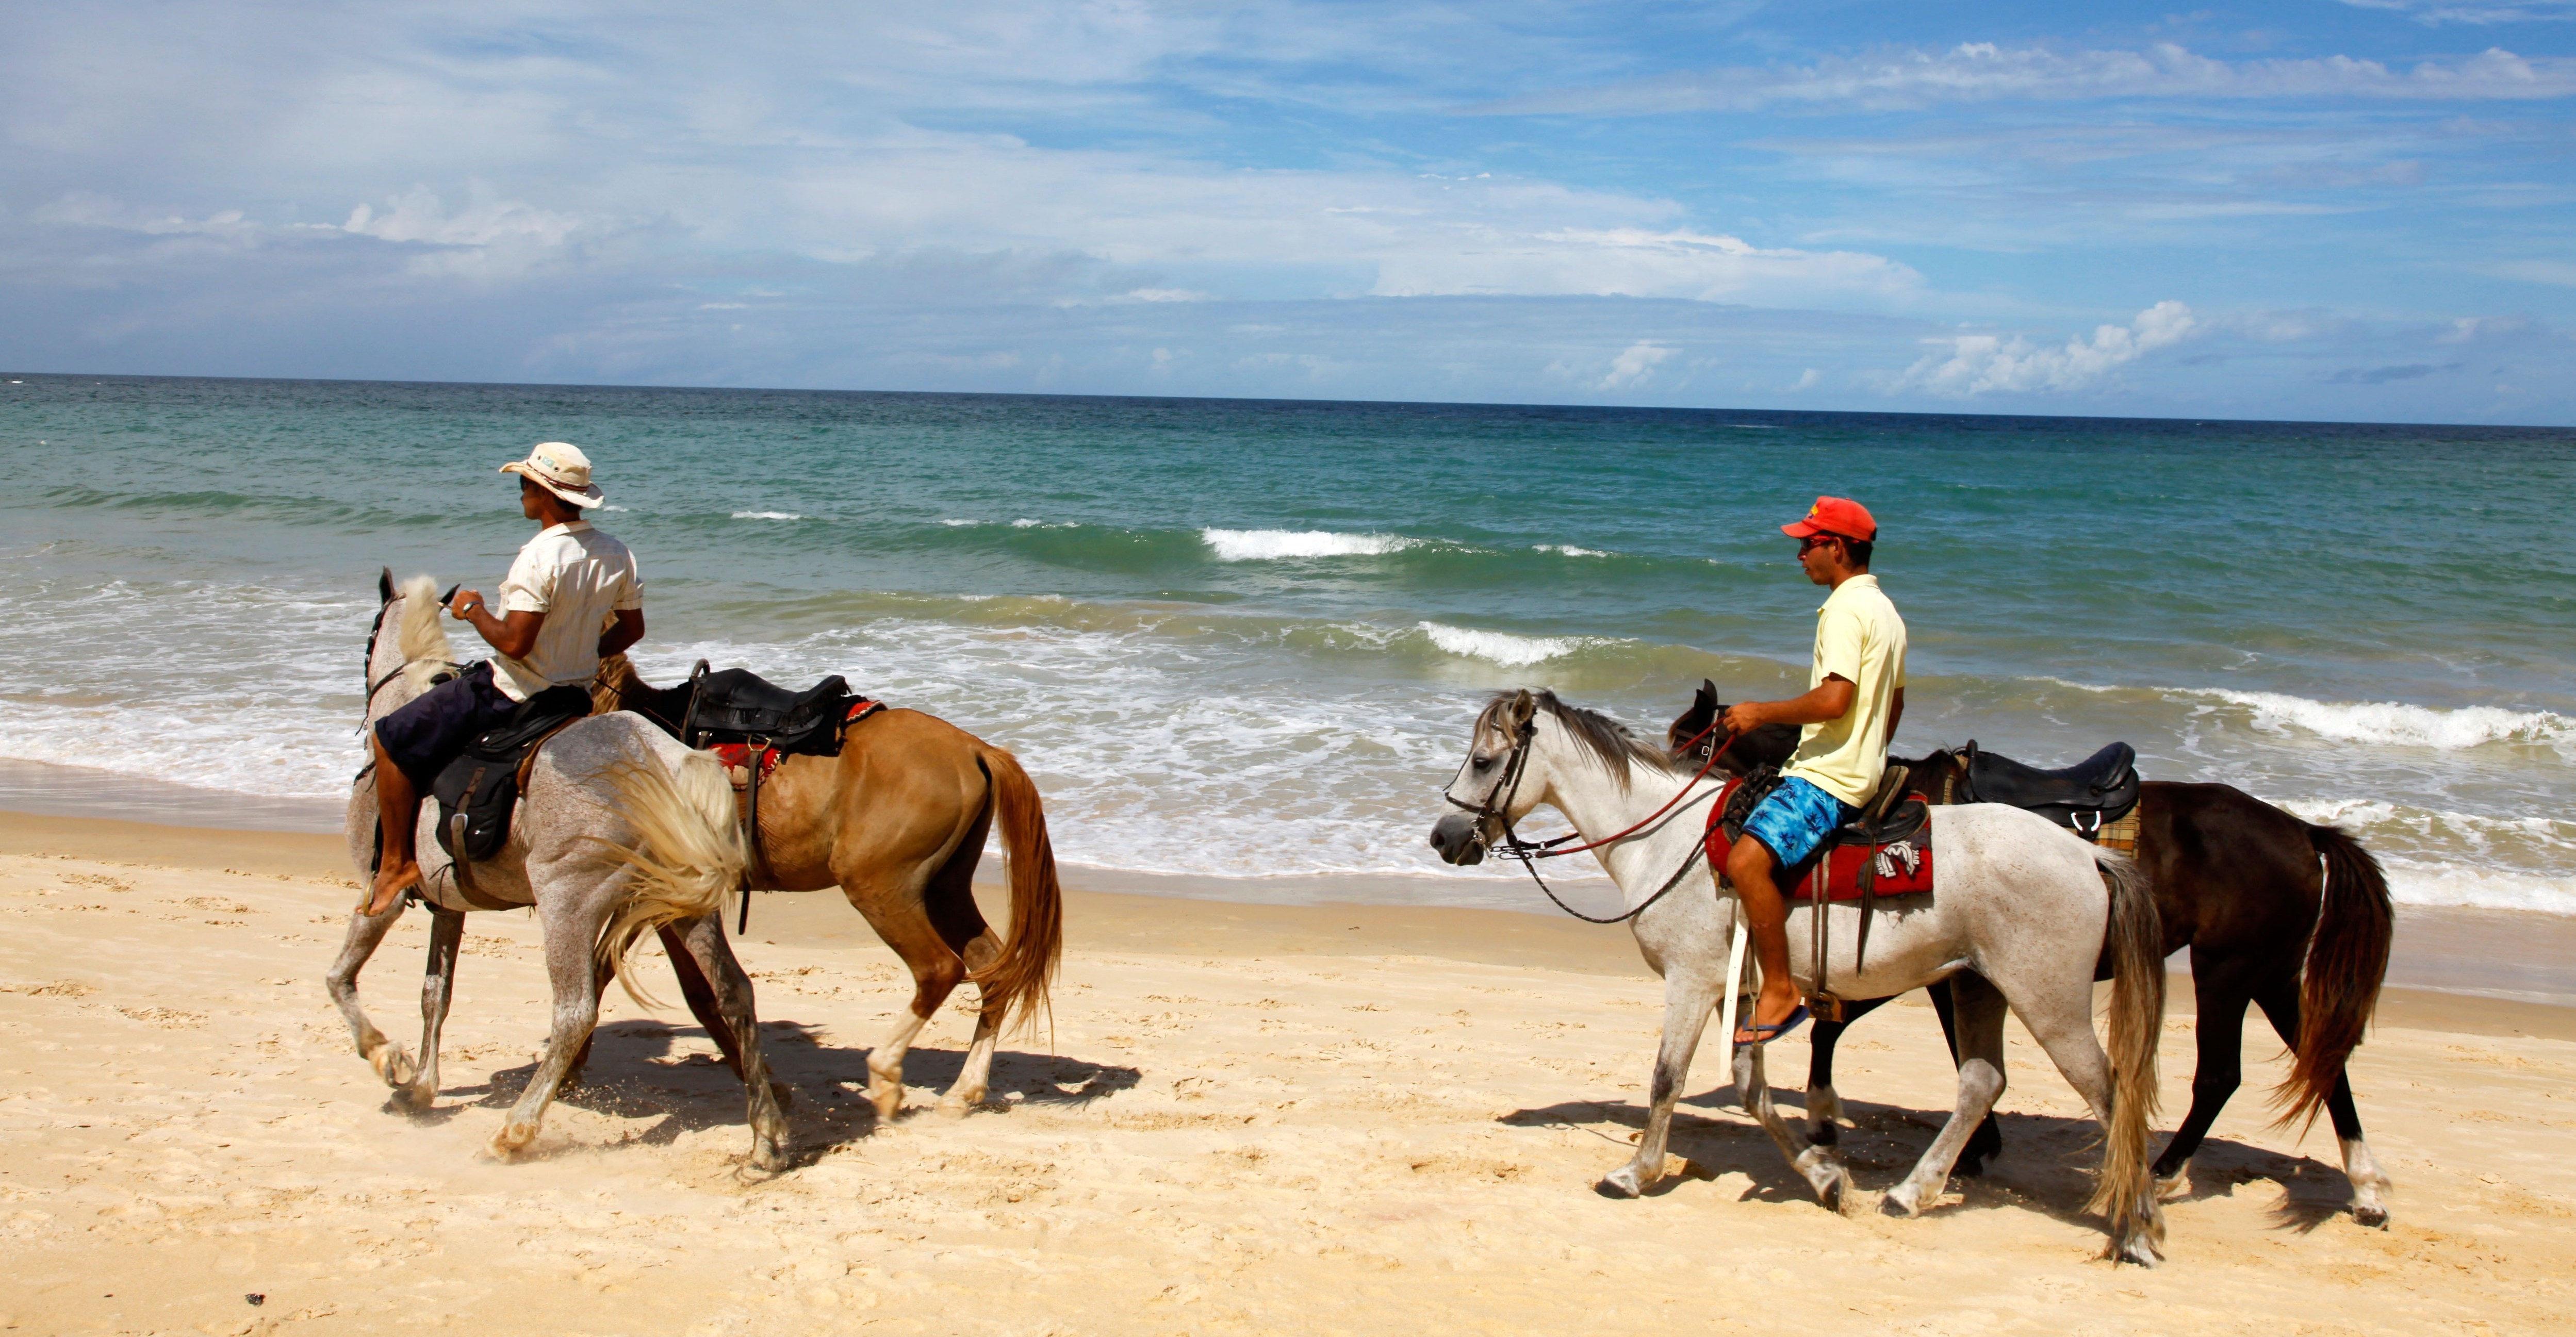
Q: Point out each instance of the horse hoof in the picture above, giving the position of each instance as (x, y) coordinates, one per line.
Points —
(394, 1065)
(1824, 1132)
(507, 1144)
(1623, 1182)
(2371, 1215)
(888, 1103)
(2138, 1251)
(415, 1099)
(1832, 1194)
(1970, 1168)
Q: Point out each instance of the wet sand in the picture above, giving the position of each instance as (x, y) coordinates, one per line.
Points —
(1246, 1118)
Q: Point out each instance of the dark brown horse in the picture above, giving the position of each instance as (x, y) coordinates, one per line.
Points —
(2286, 915)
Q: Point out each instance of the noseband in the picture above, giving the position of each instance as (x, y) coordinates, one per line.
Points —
(1493, 819)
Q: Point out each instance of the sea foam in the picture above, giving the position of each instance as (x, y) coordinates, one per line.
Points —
(2395, 723)
(1268, 545)
(767, 515)
(1502, 647)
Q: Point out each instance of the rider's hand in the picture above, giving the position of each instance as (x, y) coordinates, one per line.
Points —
(463, 605)
(1742, 717)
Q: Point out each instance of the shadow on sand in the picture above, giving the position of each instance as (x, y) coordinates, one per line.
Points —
(2047, 1166)
(634, 1073)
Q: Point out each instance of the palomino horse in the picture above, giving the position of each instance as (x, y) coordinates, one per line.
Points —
(2278, 912)
(897, 821)
(621, 832)
(2027, 906)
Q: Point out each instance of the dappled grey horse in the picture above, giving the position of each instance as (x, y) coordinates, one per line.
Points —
(620, 833)
(2025, 905)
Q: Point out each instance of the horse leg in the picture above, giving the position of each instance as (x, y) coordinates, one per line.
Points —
(2059, 1015)
(1988, 1141)
(341, 981)
(1831, 1182)
(1824, 1106)
(571, 932)
(1689, 997)
(949, 900)
(437, 990)
(2219, 992)
(2370, 1184)
(1978, 1044)
(899, 917)
(711, 958)
(701, 996)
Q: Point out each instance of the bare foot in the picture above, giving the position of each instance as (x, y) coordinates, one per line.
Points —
(391, 881)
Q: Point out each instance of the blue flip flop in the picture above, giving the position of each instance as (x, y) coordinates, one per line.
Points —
(1759, 1034)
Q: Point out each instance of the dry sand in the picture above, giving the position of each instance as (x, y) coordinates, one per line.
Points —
(1328, 1119)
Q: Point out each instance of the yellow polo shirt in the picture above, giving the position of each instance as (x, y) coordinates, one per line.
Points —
(1858, 637)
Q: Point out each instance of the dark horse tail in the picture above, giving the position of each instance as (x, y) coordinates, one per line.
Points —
(2347, 956)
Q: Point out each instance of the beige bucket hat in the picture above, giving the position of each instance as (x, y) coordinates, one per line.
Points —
(560, 468)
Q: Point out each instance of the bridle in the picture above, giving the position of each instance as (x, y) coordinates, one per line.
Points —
(1494, 822)
(375, 631)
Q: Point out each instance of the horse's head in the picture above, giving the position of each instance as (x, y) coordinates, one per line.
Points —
(1691, 737)
(417, 656)
(1489, 782)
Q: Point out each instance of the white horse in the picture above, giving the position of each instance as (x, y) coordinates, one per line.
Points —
(2022, 903)
(621, 833)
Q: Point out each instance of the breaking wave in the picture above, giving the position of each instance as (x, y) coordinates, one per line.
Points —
(1270, 545)
(1504, 648)
(2398, 724)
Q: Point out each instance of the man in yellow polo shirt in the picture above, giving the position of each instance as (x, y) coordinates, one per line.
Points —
(1855, 697)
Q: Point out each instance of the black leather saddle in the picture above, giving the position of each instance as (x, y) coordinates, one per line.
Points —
(740, 706)
(2100, 788)
(478, 792)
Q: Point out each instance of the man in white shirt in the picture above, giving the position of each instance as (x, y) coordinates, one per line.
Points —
(571, 599)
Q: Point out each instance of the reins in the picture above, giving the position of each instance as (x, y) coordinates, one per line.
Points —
(1497, 810)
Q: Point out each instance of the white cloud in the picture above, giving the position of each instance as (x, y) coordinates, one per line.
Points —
(1987, 72)
(1635, 366)
(2433, 13)
(1977, 364)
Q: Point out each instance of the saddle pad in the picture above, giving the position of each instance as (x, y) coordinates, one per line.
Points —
(1898, 868)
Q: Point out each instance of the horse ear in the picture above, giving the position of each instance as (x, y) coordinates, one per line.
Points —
(1707, 698)
(1523, 707)
(1693, 722)
(384, 586)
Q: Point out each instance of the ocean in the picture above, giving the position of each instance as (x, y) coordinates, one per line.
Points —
(1243, 640)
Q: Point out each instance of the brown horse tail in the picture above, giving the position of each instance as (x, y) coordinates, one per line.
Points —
(2347, 956)
(2137, 1023)
(1020, 976)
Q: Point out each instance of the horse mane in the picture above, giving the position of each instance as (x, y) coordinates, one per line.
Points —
(418, 637)
(1605, 740)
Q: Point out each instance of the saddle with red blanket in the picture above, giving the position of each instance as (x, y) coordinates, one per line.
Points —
(1883, 850)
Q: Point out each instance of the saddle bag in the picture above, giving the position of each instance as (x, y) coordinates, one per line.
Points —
(739, 706)
(478, 791)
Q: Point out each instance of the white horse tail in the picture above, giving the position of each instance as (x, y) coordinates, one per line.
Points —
(2136, 949)
(687, 858)
(419, 637)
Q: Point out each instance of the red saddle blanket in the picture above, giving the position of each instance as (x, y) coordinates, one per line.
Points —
(737, 756)
(1900, 868)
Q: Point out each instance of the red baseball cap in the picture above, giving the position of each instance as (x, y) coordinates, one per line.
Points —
(1839, 516)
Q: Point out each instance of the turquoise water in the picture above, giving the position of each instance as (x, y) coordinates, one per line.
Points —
(1244, 638)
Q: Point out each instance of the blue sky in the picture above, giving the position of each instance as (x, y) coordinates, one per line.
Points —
(2322, 209)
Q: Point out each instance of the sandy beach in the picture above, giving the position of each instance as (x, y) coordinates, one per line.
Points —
(1247, 1119)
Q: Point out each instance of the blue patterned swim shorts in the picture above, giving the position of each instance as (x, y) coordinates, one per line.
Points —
(1795, 818)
